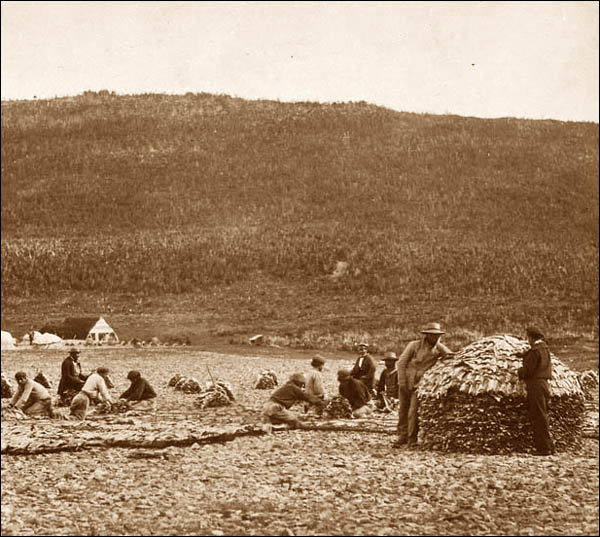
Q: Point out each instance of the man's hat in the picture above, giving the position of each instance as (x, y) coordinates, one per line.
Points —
(432, 328)
(298, 378)
(535, 332)
(343, 374)
(317, 360)
(363, 344)
(74, 352)
(390, 357)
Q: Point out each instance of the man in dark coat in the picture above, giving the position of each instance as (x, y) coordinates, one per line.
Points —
(71, 378)
(139, 393)
(536, 372)
(387, 386)
(364, 368)
(356, 392)
(277, 408)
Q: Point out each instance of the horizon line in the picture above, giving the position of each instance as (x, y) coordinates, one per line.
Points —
(114, 93)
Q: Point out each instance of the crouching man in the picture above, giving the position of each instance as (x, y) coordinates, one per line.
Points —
(94, 390)
(140, 395)
(31, 397)
(276, 409)
(387, 387)
(356, 392)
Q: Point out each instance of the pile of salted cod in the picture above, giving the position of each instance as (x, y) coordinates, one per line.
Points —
(474, 402)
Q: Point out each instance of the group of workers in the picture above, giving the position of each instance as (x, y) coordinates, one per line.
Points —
(78, 391)
(398, 382)
(396, 387)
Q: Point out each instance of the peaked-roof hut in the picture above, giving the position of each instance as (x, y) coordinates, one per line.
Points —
(89, 328)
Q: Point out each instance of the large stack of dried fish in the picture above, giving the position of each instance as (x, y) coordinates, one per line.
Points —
(7, 388)
(213, 395)
(474, 402)
(267, 380)
(589, 384)
(338, 408)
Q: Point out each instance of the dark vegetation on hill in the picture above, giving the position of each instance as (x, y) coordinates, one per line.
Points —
(155, 194)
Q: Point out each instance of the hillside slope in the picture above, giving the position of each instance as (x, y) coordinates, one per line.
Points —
(157, 194)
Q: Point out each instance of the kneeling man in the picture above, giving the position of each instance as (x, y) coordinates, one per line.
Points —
(31, 397)
(140, 395)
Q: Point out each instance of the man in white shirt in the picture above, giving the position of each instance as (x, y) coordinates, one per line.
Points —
(31, 397)
(94, 389)
(314, 382)
(418, 356)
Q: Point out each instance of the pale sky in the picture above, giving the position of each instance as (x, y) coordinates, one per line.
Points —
(486, 59)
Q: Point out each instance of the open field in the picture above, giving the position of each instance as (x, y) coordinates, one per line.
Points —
(291, 482)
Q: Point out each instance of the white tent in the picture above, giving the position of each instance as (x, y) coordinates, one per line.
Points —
(45, 338)
(101, 331)
(8, 342)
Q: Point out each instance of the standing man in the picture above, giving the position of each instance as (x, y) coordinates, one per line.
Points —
(418, 356)
(364, 368)
(71, 378)
(536, 372)
(31, 397)
(94, 389)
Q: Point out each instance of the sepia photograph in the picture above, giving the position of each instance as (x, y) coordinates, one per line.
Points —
(300, 268)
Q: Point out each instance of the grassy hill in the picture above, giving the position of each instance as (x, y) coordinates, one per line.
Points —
(246, 208)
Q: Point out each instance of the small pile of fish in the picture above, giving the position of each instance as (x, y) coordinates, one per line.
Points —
(214, 395)
(338, 408)
(267, 380)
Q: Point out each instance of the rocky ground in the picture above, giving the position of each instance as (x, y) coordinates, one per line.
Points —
(284, 483)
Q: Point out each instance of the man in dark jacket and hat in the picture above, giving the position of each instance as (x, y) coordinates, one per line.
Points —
(418, 356)
(536, 372)
(364, 368)
(71, 378)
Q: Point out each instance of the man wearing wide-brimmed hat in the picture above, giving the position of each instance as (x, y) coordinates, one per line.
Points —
(418, 356)
(71, 378)
(536, 372)
(364, 368)
(387, 386)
